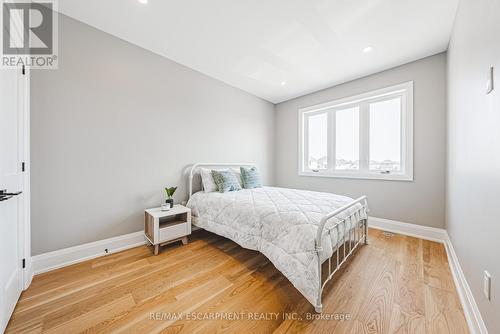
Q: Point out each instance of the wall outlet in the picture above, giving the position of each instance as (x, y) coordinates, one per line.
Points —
(487, 285)
(490, 85)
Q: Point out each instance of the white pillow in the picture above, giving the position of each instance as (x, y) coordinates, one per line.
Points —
(207, 180)
(238, 176)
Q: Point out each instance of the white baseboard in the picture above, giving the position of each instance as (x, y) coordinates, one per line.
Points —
(67, 256)
(29, 271)
(412, 230)
(471, 311)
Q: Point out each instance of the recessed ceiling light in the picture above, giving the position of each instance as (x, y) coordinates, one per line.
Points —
(367, 49)
(283, 83)
(144, 2)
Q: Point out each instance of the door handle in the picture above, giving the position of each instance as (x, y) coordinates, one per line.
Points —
(4, 195)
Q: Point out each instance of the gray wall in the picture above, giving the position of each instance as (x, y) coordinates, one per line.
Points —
(419, 202)
(115, 124)
(473, 185)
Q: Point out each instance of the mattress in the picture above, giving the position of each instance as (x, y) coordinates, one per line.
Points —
(282, 224)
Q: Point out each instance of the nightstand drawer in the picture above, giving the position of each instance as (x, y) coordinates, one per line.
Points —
(173, 231)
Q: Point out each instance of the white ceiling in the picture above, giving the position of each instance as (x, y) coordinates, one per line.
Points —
(277, 49)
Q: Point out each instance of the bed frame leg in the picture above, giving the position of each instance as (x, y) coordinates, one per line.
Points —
(319, 307)
(365, 223)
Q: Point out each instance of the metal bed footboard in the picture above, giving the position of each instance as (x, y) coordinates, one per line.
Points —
(354, 236)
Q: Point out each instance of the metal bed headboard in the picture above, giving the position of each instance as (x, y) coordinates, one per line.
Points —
(212, 164)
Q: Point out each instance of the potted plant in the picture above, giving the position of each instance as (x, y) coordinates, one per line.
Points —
(170, 192)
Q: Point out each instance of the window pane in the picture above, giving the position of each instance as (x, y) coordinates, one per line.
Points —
(318, 140)
(385, 135)
(347, 139)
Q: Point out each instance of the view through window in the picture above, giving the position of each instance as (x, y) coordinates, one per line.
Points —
(368, 136)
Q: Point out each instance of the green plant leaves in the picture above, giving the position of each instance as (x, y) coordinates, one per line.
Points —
(170, 191)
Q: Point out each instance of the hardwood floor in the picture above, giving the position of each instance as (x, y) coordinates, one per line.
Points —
(396, 284)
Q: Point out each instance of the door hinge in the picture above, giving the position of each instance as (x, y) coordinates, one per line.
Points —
(24, 263)
(23, 70)
(23, 166)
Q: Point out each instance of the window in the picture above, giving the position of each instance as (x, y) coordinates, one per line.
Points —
(364, 136)
(317, 142)
(347, 139)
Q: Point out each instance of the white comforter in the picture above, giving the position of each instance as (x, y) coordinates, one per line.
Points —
(281, 223)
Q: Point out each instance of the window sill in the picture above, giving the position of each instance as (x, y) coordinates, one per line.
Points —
(370, 176)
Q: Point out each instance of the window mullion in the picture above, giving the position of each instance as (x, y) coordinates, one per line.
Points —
(364, 140)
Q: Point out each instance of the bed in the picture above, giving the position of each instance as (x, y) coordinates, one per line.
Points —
(297, 230)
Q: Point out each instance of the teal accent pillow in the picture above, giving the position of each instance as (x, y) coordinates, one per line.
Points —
(226, 180)
(250, 178)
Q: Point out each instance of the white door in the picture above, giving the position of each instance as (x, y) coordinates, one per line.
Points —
(11, 181)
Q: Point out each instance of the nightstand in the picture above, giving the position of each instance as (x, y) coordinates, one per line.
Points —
(163, 227)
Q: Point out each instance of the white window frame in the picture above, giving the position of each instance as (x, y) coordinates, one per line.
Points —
(404, 91)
